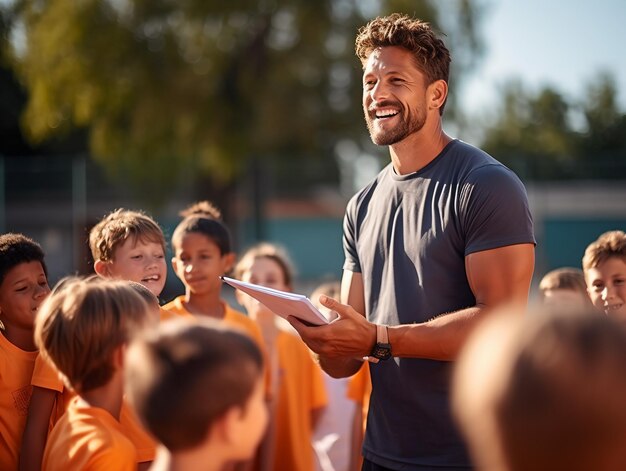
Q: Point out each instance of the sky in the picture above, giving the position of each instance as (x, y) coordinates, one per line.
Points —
(563, 43)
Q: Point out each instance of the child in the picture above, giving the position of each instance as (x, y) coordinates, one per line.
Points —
(129, 245)
(359, 391)
(544, 392)
(83, 330)
(202, 253)
(332, 439)
(126, 245)
(565, 287)
(23, 287)
(604, 264)
(297, 393)
(199, 388)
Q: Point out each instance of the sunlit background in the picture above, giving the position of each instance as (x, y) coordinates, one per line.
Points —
(255, 105)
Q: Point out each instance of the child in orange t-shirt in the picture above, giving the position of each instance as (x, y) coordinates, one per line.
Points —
(202, 253)
(125, 245)
(297, 393)
(83, 329)
(171, 373)
(23, 287)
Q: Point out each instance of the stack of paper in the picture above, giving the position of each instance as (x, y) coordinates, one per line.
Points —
(281, 302)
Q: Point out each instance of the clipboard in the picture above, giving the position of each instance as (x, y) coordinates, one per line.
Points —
(282, 303)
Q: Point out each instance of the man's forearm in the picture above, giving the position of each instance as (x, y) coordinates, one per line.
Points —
(339, 367)
(438, 339)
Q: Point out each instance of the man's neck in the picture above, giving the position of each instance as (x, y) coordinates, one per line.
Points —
(418, 150)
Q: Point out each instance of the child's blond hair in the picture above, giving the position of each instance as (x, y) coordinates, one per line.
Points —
(82, 323)
(184, 376)
(117, 227)
(608, 245)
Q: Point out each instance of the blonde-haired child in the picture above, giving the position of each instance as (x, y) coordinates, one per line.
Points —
(564, 287)
(604, 264)
(125, 245)
(82, 329)
(297, 391)
(199, 388)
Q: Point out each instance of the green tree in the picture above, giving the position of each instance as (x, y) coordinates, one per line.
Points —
(603, 146)
(539, 136)
(200, 87)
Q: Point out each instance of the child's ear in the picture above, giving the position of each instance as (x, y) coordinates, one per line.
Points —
(102, 268)
(175, 264)
(228, 260)
(118, 356)
(229, 424)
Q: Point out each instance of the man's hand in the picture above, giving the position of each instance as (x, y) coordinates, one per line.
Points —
(348, 336)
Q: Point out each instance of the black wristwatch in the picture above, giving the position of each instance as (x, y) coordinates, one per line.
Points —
(382, 347)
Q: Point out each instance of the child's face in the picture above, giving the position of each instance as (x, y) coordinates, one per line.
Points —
(199, 263)
(606, 285)
(143, 262)
(21, 293)
(265, 272)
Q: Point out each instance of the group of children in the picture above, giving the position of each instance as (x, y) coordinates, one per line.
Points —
(601, 283)
(546, 391)
(98, 375)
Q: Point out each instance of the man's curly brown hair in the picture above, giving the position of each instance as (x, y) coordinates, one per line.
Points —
(431, 54)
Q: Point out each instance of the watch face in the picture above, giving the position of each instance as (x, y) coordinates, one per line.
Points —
(382, 351)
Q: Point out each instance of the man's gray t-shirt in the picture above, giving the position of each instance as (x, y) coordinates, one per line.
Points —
(408, 235)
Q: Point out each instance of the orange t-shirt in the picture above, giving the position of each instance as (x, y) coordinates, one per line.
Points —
(16, 369)
(46, 376)
(232, 317)
(167, 314)
(360, 389)
(88, 438)
(301, 389)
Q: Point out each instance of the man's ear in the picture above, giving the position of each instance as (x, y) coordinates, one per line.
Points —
(437, 94)
(102, 268)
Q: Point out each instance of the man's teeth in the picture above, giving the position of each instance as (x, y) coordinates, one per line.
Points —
(385, 113)
(151, 278)
(614, 307)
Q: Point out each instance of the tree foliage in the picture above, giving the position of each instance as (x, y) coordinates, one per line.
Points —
(543, 135)
(164, 85)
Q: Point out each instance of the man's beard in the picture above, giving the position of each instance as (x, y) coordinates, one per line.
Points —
(407, 126)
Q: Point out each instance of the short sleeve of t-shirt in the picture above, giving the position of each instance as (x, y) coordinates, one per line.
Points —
(351, 262)
(45, 376)
(494, 210)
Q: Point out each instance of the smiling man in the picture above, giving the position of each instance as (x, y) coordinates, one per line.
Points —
(442, 235)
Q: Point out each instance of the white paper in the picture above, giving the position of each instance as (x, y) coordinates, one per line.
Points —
(281, 302)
